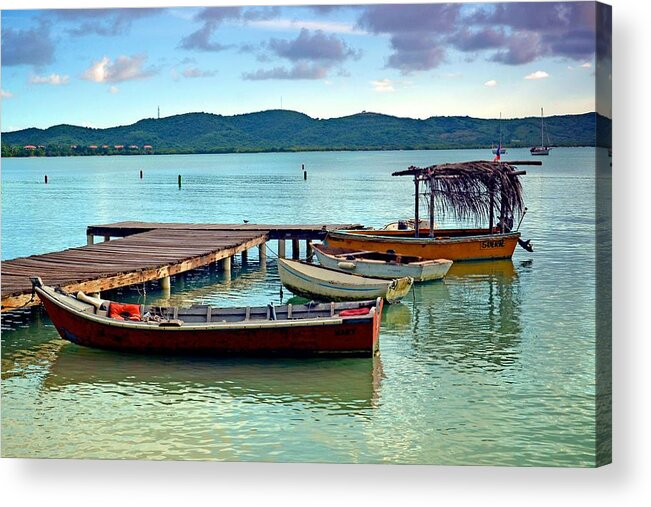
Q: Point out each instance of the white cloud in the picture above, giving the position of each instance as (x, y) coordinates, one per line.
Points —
(491, 83)
(113, 89)
(194, 72)
(97, 71)
(383, 86)
(586, 65)
(52, 79)
(123, 68)
(539, 74)
(5, 94)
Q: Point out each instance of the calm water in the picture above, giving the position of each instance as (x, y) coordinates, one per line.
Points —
(495, 365)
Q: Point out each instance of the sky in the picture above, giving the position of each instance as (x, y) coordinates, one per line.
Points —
(107, 67)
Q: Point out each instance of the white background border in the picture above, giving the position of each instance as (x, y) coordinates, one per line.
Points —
(625, 482)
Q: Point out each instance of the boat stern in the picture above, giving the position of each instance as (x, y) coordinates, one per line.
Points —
(377, 320)
(399, 288)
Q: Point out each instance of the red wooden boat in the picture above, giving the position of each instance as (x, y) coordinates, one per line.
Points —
(351, 328)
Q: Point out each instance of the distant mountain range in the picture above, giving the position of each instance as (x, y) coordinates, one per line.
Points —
(283, 130)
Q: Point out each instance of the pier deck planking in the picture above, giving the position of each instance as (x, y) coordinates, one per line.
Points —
(146, 251)
(274, 231)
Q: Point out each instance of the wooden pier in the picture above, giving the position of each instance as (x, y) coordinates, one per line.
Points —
(144, 252)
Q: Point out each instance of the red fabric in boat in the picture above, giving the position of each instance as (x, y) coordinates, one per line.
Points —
(125, 311)
(357, 311)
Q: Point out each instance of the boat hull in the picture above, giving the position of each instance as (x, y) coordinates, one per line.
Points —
(455, 248)
(330, 285)
(336, 336)
(422, 271)
(540, 152)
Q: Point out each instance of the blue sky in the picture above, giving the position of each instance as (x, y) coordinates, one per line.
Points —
(106, 67)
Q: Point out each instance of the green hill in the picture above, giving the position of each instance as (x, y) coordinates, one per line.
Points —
(282, 130)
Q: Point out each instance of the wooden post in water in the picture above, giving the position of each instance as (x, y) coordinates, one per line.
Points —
(179, 181)
(90, 239)
(46, 179)
(416, 217)
(262, 253)
(296, 248)
(140, 173)
(281, 248)
(309, 251)
(165, 283)
(245, 257)
(107, 238)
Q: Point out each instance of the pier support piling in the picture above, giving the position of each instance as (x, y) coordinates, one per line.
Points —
(226, 265)
(107, 238)
(90, 239)
(296, 249)
(281, 248)
(165, 283)
(245, 257)
(309, 251)
(262, 253)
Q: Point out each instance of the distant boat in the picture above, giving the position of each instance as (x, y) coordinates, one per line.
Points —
(381, 264)
(499, 147)
(311, 281)
(542, 149)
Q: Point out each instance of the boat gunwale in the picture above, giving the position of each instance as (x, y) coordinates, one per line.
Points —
(338, 257)
(361, 233)
(349, 286)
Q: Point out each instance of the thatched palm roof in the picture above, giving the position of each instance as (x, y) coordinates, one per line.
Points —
(464, 189)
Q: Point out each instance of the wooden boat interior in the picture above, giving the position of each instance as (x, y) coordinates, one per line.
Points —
(351, 255)
(424, 233)
(203, 314)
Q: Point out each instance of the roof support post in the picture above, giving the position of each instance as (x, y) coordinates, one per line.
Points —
(491, 220)
(431, 208)
(416, 217)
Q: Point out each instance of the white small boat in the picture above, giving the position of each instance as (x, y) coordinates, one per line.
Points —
(381, 264)
(317, 282)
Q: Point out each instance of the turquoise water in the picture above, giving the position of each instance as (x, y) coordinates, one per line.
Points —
(494, 365)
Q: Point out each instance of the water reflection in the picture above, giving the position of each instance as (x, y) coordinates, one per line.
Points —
(346, 383)
(396, 317)
(474, 319)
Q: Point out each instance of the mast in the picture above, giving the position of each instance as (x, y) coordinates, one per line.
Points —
(499, 146)
(542, 129)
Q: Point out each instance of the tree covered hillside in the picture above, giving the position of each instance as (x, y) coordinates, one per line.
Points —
(282, 130)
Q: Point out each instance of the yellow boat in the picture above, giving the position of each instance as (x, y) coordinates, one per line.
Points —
(466, 245)
(479, 189)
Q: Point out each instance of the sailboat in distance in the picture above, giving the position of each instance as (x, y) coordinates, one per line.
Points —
(542, 149)
(500, 148)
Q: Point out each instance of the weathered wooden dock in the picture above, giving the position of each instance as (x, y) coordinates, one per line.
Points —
(147, 251)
